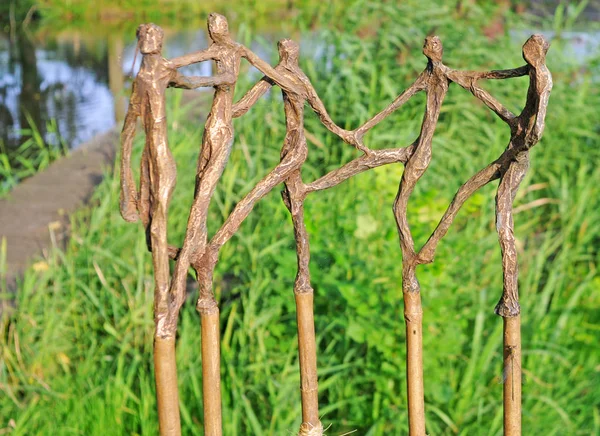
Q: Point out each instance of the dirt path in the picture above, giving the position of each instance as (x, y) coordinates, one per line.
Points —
(43, 202)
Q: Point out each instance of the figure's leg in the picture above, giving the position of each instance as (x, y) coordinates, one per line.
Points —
(507, 190)
(508, 306)
(293, 197)
(291, 162)
(216, 148)
(145, 203)
(162, 175)
(162, 171)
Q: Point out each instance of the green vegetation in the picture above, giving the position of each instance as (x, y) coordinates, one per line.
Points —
(76, 355)
(32, 156)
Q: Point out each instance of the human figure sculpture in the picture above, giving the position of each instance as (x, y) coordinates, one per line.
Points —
(216, 145)
(511, 167)
(157, 181)
(434, 82)
(293, 155)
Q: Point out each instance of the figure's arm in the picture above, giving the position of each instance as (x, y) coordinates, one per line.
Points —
(128, 197)
(192, 58)
(545, 85)
(534, 112)
(498, 74)
(317, 105)
(419, 85)
(251, 97)
(193, 82)
(281, 81)
(469, 82)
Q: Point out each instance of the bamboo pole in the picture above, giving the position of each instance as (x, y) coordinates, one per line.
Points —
(211, 372)
(413, 317)
(167, 396)
(512, 376)
(307, 352)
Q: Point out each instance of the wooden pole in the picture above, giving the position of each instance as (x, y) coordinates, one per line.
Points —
(167, 396)
(413, 316)
(307, 352)
(211, 372)
(512, 375)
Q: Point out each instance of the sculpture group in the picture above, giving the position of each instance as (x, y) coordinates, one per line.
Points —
(157, 181)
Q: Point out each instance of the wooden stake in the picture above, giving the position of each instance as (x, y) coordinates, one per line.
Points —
(413, 316)
(512, 381)
(307, 351)
(211, 373)
(167, 397)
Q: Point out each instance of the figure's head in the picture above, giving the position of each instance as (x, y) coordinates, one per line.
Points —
(288, 50)
(432, 48)
(150, 38)
(534, 50)
(218, 29)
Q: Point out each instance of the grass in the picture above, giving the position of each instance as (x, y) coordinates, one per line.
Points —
(76, 355)
(32, 156)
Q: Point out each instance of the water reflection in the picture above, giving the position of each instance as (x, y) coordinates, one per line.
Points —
(41, 81)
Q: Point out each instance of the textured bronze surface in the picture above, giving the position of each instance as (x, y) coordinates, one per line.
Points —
(158, 180)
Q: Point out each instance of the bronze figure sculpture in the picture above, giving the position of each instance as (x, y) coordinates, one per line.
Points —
(293, 155)
(157, 181)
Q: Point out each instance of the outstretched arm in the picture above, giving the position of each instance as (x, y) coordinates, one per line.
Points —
(498, 74)
(545, 86)
(468, 80)
(317, 105)
(534, 113)
(192, 58)
(281, 81)
(251, 97)
(419, 85)
(193, 82)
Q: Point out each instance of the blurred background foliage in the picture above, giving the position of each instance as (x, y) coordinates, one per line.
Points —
(76, 349)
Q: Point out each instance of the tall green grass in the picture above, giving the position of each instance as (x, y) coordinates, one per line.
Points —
(32, 156)
(76, 352)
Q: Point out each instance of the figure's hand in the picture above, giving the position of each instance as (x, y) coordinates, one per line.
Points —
(354, 137)
(128, 207)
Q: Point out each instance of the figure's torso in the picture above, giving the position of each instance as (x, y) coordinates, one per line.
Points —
(227, 62)
(149, 89)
